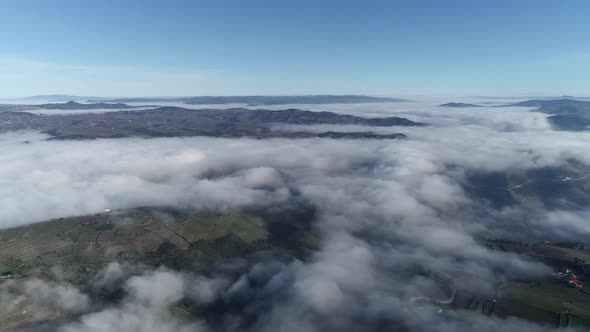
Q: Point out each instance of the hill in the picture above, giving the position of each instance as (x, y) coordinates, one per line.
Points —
(299, 117)
(72, 105)
(460, 105)
(175, 121)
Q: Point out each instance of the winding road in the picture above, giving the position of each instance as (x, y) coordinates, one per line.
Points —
(437, 301)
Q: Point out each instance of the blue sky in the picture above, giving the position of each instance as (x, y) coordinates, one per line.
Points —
(394, 48)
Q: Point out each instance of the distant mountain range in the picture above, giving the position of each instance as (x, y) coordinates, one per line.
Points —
(530, 97)
(284, 100)
(555, 105)
(60, 98)
(69, 106)
(566, 114)
(262, 100)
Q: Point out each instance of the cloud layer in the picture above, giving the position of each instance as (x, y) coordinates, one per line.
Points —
(388, 212)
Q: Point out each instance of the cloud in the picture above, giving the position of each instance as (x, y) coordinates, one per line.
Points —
(53, 297)
(389, 213)
(146, 307)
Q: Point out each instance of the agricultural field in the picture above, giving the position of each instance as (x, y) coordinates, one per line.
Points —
(548, 301)
(73, 250)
